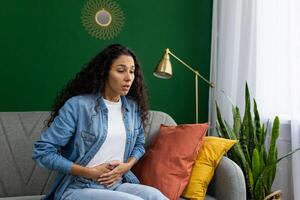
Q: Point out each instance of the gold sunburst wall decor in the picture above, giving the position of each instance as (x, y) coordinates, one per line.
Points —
(103, 19)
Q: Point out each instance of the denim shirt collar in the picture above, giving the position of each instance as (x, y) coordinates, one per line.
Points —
(103, 106)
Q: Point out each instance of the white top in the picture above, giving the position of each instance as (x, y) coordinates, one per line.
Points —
(113, 147)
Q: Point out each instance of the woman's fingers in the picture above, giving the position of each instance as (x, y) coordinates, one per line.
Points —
(110, 180)
(117, 170)
(112, 173)
(113, 182)
(106, 170)
(115, 163)
(102, 179)
(107, 174)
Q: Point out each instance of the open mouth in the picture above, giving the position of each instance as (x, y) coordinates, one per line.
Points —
(125, 87)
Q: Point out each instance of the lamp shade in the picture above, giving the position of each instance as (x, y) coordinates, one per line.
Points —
(164, 68)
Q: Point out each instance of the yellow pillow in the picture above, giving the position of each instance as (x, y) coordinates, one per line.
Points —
(207, 160)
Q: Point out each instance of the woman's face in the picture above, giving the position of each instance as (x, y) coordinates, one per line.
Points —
(120, 78)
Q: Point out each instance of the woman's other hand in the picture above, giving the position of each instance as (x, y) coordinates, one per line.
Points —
(118, 169)
(91, 172)
(97, 171)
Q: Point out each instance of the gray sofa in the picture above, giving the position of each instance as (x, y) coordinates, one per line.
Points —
(21, 179)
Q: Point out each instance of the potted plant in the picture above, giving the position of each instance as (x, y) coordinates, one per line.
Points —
(258, 165)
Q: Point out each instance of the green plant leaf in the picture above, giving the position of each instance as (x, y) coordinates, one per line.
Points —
(272, 156)
(250, 181)
(262, 144)
(274, 136)
(257, 124)
(221, 126)
(264, 176)
(256, 165)
(259, 190)
(219, 133)
(240, 159)
(237, 122)
(265, 131)
(250, 153)
(248, 123)
(288, 154)
(230, 132)
(262, 157)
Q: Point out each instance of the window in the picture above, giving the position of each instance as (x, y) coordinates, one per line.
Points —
(278, 58)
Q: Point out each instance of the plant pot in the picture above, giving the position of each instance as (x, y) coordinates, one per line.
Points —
(274, 195)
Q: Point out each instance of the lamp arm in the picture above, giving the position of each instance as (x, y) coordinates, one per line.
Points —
(190, 68)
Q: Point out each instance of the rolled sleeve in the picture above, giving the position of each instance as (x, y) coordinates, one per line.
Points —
(52, 160)
(46, 151)
(138, 149)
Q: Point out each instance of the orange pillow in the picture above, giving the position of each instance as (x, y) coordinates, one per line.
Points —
(167, 165)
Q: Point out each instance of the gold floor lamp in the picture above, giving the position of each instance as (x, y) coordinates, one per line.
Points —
(164, 70)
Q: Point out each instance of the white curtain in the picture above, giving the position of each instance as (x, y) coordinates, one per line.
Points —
(233, 56)
(278, 70)
(295, 135)
(258, 42)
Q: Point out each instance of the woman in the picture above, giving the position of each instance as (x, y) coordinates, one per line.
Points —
(95, 133)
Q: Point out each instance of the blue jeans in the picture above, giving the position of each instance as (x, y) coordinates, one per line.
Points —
(83, 189)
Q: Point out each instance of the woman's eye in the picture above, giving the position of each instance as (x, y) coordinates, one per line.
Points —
(132, 71)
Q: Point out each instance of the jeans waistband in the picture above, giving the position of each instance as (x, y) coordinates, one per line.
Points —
(81, 182)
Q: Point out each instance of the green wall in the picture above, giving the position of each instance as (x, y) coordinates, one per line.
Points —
(43, 44)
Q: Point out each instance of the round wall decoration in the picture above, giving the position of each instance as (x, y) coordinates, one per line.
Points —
(103, 19)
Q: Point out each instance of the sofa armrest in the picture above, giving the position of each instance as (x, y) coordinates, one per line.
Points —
(228, 182)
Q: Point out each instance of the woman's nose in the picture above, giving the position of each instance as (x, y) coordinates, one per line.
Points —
(128, 76)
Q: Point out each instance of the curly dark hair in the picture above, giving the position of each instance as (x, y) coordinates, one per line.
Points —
(92, 78)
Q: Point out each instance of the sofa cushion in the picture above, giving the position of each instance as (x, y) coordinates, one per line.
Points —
(156, 118)
(19, 175)
(37, 197)
(167, 164)
(209, 156)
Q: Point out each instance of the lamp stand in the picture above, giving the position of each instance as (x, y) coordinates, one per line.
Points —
(164, 70)
(197, 75)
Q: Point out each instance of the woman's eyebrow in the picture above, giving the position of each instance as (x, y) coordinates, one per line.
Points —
(125, 66)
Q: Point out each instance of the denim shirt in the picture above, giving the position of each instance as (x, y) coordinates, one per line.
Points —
(78, 132)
